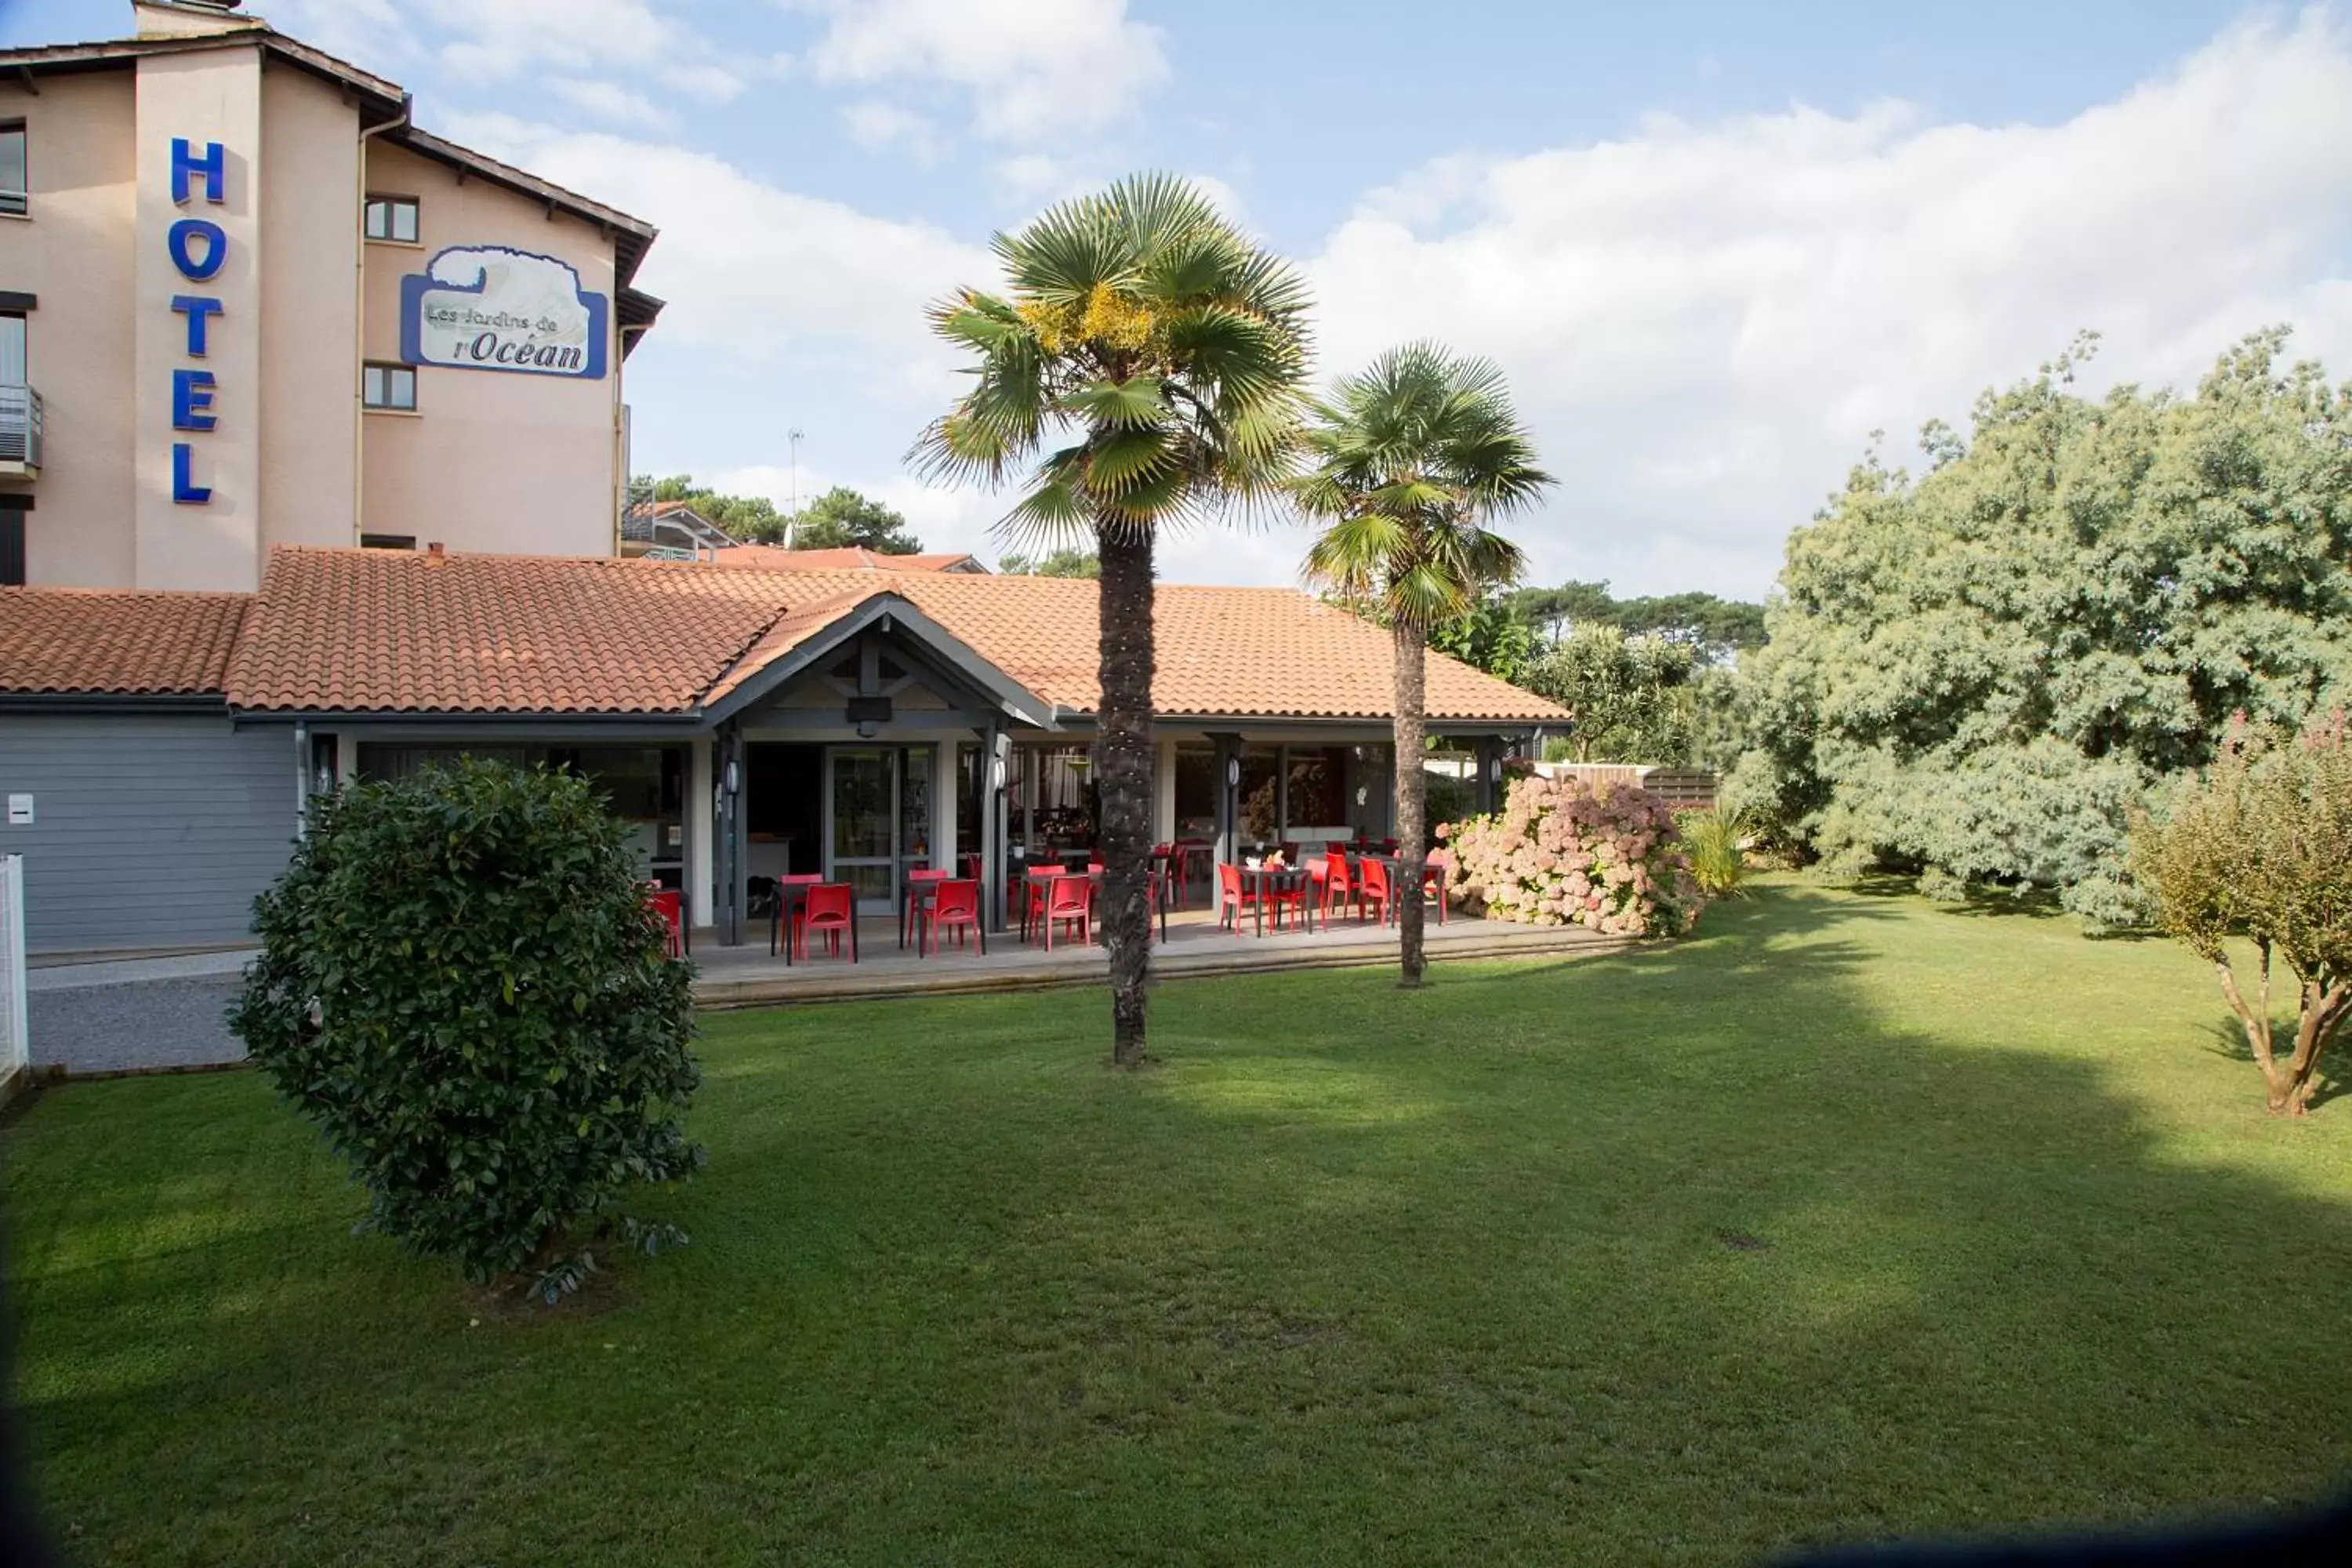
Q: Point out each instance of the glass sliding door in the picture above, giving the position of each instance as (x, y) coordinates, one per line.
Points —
(861, 824)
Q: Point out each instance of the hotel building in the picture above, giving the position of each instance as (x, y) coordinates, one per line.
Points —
(246, 302)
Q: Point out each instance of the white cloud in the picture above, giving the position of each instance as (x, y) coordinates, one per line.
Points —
(754, 271)
(885, 127)
(1703, 322)
(610, 100)
(1033, 68)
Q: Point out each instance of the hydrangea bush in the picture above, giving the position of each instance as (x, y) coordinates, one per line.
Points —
(1603, 856)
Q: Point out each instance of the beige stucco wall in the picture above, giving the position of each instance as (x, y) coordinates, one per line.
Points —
(74, 252)
(308, 384)
(214, 95)
(492, 460)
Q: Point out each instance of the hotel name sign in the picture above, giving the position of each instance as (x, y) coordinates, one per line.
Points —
(487, 306)
(199, 249)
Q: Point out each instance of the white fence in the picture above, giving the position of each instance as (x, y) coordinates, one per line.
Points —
(16, 1033)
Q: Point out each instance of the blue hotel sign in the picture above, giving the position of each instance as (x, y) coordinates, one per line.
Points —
(490, 307)
(198, 247)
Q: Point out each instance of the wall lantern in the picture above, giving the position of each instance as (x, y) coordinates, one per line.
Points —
(1233, 772)
(734, 779)
(1494, 770)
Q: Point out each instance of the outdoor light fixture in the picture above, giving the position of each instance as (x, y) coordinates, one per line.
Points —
(1494, 770)
(734, 780)
(1233, 772)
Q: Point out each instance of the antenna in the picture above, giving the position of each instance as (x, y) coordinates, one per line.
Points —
(792, 519)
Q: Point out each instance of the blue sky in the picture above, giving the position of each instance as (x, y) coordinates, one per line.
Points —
(1714, 246)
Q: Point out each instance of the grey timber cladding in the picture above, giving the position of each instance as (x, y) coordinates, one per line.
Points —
(149, 830)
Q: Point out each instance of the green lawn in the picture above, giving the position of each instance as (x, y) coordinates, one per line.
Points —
(1849, 1215)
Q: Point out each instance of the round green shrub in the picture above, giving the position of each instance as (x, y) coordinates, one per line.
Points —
(460, 981)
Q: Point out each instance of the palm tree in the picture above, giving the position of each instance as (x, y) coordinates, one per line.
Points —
(1410, 460)
(1150, 360)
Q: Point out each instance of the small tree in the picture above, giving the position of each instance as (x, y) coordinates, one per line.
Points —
(460, 981)
(2261, 849)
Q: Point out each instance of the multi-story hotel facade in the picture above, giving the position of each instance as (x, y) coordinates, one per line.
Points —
(246, 302)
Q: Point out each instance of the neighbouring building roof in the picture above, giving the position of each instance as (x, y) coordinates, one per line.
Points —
(372, 631)
(845, 558)
(100, 641)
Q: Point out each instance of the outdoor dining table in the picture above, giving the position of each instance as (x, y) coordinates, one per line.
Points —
(912, 891)
(1260, 880)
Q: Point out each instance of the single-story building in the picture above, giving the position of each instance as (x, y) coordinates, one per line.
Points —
(158, 749)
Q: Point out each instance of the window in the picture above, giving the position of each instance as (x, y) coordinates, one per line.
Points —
(388, 386)
(387, 541)
(393, 219)
(16, 189)
(14, 369)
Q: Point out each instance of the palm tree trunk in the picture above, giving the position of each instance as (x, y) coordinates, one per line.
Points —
(1411, 793)
(1123, 776)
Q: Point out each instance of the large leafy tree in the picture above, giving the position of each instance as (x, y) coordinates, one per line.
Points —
(1054, 563)
(753, 518)
(1635, 697)
(1717, 627)
(1985, 670)
(843, 517)
(1143, 369)
(1411, 459)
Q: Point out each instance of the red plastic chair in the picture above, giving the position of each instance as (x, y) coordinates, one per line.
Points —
(1373, 887)
(1434, 873)
(798, 880)
(1232, 897)
(1335, 886)
(908, 909)
(832, 908)
(1069, 900)
(670, 905)
(1288, 903)
(957, 904)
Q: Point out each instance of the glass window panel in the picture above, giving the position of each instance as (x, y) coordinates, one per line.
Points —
(1196, 792)
(371, 387)
(14, 186)
(861, 805)
(1318, 787)
(402, 384)
(404, 221)
(13, 371)
(1261, 795)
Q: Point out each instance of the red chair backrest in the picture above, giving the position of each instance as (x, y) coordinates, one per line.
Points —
(831, 901)
(668, 904)
(1068, 896)
(956, 899)
(1375, 880)
(1335, 870)
(1229, 880)
(801, 879)
(919, 875)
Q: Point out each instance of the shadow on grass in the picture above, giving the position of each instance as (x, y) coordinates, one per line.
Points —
(1682, 1254)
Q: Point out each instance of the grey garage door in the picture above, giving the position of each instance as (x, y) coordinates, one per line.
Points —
(149, 830)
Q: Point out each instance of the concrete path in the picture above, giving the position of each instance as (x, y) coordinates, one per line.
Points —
(135, 1013)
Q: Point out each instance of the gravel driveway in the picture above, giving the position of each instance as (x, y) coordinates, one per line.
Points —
(149, 1013)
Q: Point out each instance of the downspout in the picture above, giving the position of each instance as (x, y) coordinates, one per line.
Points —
(359, 323)
(301, 778)
(621, 425)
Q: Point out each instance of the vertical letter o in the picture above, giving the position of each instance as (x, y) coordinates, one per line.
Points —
(215, 247)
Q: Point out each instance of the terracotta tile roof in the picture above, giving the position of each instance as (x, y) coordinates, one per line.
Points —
(116, 642)
(393, 631)
(847, 558)
(385, 631)
(1243, 652)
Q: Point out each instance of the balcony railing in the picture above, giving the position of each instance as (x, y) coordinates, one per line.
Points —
(20, 429)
